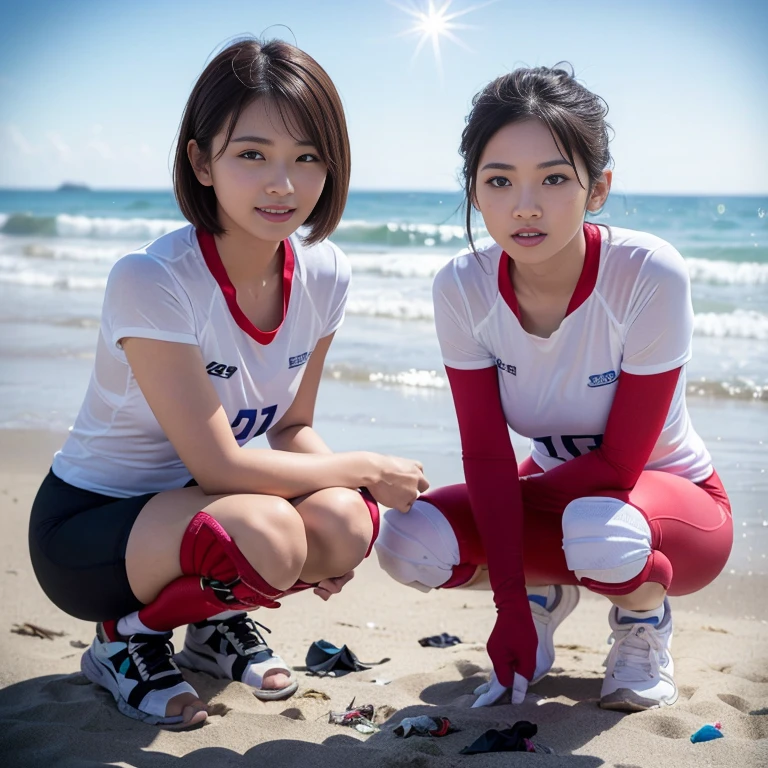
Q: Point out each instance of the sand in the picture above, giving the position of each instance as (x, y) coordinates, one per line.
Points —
(52, 716)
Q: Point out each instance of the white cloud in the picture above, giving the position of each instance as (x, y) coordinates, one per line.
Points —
(98, 145)
(20, 141)
(61, 146)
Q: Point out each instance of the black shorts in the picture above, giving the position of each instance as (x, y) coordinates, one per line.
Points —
(77, 542)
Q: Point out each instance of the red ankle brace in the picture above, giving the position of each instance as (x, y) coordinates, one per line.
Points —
(217, 577)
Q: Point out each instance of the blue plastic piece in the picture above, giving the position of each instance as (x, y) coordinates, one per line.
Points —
(706, 733)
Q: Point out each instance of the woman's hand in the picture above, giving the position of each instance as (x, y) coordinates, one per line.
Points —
(513, 642)
(328, 587)
(399, 483)
(493, 691)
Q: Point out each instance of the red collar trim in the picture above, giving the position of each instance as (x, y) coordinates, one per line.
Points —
(584, 287)
(216, 268)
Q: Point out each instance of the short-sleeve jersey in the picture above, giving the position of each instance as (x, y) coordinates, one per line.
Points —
(558, 391)
(176, 289)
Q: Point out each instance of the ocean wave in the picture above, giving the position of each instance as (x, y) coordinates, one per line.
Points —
(739, 388)
(64, 225)
(60, 321)
(426, 265)
(421, 265)
(33, 279)
(727, 272)
(72, 253)
(420, 379)
(717, 265)
(739, 324)
(399, 264)
(351, 231)
(398, 234)
(395, 308)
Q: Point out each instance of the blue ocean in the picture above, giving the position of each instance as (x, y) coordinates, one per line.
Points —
(384, 388)
(56, 249)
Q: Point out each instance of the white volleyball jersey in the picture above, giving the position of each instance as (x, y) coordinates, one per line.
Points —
(175, 290)
(558, 391)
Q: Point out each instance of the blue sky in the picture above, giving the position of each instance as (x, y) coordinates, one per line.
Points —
(92, 91)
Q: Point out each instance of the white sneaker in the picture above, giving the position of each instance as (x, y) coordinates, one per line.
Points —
(639, 666)
(233, 648)
(546, 621)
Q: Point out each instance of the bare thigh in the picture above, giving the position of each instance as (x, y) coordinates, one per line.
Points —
(267, 529)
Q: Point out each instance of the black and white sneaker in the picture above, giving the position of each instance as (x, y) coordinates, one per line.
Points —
(140, 673)
(234, 649)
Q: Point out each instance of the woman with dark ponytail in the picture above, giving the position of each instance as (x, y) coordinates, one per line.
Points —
(577, 337)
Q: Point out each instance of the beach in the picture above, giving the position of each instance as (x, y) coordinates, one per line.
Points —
(52, 716)
(384, 390)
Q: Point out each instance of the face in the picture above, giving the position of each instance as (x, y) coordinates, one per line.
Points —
(267, 181)
(530, 198)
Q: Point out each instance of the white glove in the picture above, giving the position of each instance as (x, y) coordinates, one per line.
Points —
(489, 693)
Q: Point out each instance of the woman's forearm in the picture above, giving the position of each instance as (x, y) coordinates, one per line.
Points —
(298, 438)
(287, 474)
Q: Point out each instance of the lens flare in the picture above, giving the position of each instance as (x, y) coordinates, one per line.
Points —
(433, 22)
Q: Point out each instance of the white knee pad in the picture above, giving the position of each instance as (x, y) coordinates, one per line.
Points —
(418, 548)
(605, 539)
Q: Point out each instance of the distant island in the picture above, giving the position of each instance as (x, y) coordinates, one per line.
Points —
(70, 186)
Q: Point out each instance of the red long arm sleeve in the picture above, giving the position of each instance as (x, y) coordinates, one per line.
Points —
(640, 408)
(490, 471)
(498, 497)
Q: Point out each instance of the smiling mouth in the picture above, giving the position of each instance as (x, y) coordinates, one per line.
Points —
(276, 210)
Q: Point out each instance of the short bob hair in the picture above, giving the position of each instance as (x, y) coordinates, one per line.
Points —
(307, 101)
(574, 116)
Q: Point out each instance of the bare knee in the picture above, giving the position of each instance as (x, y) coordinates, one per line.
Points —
(339, 529)
(270, 533)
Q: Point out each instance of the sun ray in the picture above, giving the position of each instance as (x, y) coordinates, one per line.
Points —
(458, 41)
(471, 8)
(434, 21)
(418, 48)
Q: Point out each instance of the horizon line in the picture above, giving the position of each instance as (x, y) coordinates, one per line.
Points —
(393, 190)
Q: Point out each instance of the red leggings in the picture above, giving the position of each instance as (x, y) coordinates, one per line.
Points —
(691, 528)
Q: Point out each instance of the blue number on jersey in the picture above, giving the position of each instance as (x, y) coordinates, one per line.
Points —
(249, 416)
(569, 445)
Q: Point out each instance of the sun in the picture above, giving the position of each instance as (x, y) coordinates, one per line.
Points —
(433, 22)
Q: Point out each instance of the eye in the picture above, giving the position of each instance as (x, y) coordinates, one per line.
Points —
(308, 158)
(498, 181)
(555, 179)
(252, 154)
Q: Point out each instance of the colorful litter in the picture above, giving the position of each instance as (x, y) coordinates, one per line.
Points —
(360, 718)
(708, 733)
(424, 726)
(514, 739)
